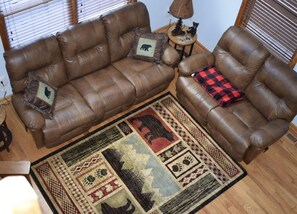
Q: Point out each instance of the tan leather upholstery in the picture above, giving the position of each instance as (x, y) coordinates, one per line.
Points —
(119, 27)
(84, 48)
(88, 64)
(247, 128)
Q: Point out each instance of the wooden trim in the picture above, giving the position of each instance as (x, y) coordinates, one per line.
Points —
(240, 13)
(6, 100)
(294, 60)
(74, 14)
(293, 127)
(3, 33)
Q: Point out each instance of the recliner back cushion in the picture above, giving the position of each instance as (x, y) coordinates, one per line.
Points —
(84, 48)
(119, 28)
(238, 55)
(42, 57)
(273, 91)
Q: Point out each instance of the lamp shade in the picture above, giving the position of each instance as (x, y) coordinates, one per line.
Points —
(182, 9)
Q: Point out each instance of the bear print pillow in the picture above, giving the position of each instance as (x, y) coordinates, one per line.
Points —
(148, 46)
(40, 95)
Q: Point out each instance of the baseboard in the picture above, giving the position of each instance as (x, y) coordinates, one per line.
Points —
(4, 101)
(292, 133)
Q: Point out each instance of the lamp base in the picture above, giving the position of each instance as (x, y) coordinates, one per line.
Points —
(177, 31)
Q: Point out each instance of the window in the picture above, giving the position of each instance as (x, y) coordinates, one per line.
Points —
(88, 9)
(275, 23)
(23, 21)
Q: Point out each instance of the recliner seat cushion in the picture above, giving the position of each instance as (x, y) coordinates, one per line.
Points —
(235, 124)
(105, 90)
(71, 112)
(146, 77)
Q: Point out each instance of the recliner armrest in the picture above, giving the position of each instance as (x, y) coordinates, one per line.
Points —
(270, 133)
(195, 62)
(32, 119)
(170, 56)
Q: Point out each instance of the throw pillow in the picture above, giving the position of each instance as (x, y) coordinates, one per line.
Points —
(218, 86)
(148, 46)
(40, 95)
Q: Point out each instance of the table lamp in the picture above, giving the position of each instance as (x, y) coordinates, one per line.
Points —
(181, 9)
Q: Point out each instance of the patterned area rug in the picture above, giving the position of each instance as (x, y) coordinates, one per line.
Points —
(156, 159)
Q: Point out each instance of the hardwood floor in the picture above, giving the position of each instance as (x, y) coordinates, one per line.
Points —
(270, 186)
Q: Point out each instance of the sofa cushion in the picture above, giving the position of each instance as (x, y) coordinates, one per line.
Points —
(40, 95)
(84, 48)
(43, 57)
(235, 124)
(238, 55)
(120, 26)
(218, 86)
(273, 90)
(71, 113)
(147, 78)
(105, 90)
(148, 46)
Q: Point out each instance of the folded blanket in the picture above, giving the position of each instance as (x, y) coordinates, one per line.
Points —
(218, 86)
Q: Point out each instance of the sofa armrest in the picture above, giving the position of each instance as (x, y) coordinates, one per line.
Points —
(170, 56)
(195, 62)
(32, 119)
(270, 133)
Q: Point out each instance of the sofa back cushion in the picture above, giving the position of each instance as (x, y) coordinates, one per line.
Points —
(84, 47)
(238, 55)
(273, 91)
(42, 58)
(119, 26)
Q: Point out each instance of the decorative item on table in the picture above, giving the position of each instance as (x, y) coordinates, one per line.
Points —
(192, 30)
(181, 9)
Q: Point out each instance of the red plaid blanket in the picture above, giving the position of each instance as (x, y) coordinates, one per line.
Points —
(219, 87)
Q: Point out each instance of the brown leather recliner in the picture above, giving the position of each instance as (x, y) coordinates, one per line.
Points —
(246, 128)
(88, 64)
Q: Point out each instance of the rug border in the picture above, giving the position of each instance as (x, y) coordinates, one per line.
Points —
(52, 207)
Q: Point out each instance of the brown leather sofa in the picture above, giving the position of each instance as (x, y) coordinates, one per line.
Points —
(246, 128)
(89, 65)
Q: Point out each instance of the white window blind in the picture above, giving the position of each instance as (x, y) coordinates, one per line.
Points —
(275, 23)
(27, 20)
(88, 9)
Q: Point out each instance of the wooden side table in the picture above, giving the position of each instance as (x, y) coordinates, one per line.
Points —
(5, 133)
(182, 41)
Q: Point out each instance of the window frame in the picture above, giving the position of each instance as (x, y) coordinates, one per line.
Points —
(73, 20)
(240, 18)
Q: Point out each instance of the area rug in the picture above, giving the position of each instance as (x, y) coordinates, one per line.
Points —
(156, 159)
